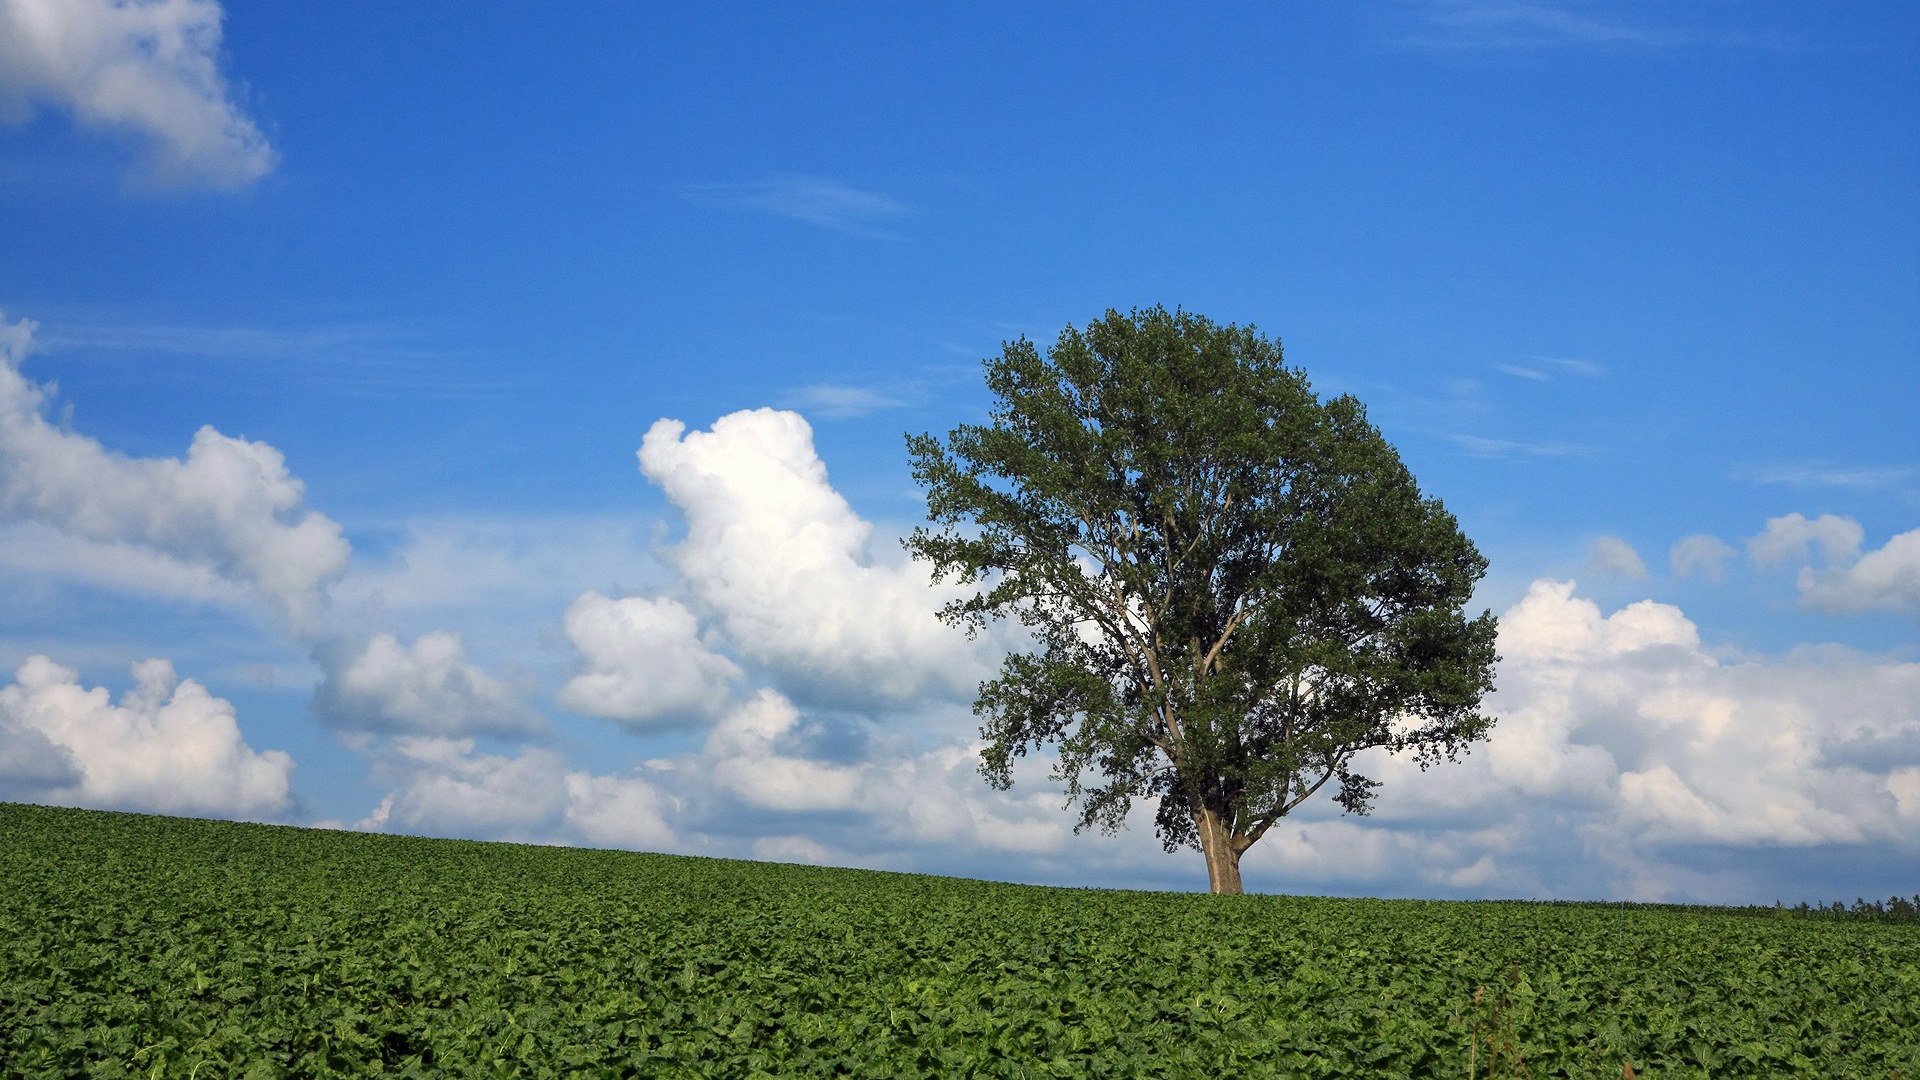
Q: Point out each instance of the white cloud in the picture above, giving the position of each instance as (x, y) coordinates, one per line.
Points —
(1863, 477)
(812, 199)
(1786, 539)
(1531, 24)
(619, 811)
(1886, 578)
(149, 67)
(428, 688)
(1519, 372)
(444, 787)
(1621, 738)
(1700, 554)
(1615, 557)
(784, 563)
(31, 764)
(38, 552)
(1573, 365)
(839, 401)
(895, 803)
(645, 661)
(167, 747)
(1549, 624)
(496, 576)
(936, 799)
(1625, 749)
(1540, 368)
(1482, 446)
(791, 849)
(744, 759)
(230, 506)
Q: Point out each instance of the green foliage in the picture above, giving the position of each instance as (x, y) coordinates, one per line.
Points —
(133, 945)
(1895, 908)
(1492, 1022)
(1233, 587)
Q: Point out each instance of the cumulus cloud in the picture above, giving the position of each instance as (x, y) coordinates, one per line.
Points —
(785, 565)
(168, 746)
(146, 67)
(1549, 624)
(427, 688)
(1626, 749)
(895, 802)
(621, 811)
(230, 507)
(31, 764)
(744, 758)
(1887, 578)
(1616, 558)
(444, 787)
(758, 786)
(41, 553)
(791, 849)
(1624, 744)
(1712, 752)
(644, 661)
(1787, 539)
(1702, 555)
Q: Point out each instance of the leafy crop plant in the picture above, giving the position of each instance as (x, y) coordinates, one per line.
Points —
(159, 947)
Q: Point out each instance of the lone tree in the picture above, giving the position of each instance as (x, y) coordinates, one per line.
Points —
(1232, 587)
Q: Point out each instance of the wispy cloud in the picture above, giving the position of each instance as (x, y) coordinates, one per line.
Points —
(1519, 372)
(839, 401)
(1545, 368)
(1494, 25)
(815, 200)
(1858, 478)
(362, 358)
(240, 342)
(1481, 446)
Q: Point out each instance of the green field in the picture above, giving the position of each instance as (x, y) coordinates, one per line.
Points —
(156, 946)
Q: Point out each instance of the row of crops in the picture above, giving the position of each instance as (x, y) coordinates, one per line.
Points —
(136, 945)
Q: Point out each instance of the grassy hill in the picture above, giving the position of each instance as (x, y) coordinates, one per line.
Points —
(139, 945)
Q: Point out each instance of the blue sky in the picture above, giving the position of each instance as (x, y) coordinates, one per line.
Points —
(333, 331)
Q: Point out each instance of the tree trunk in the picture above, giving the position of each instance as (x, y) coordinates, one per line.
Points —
(1223, 855)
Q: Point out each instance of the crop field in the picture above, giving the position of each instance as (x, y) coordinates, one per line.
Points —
(137, 945)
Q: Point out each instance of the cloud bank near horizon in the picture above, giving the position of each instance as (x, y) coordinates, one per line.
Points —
(167, 747)
(821, 710)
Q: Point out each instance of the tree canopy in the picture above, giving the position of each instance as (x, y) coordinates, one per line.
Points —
(1232, 587)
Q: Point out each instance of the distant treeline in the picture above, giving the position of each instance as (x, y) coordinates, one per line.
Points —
(1892, 909)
